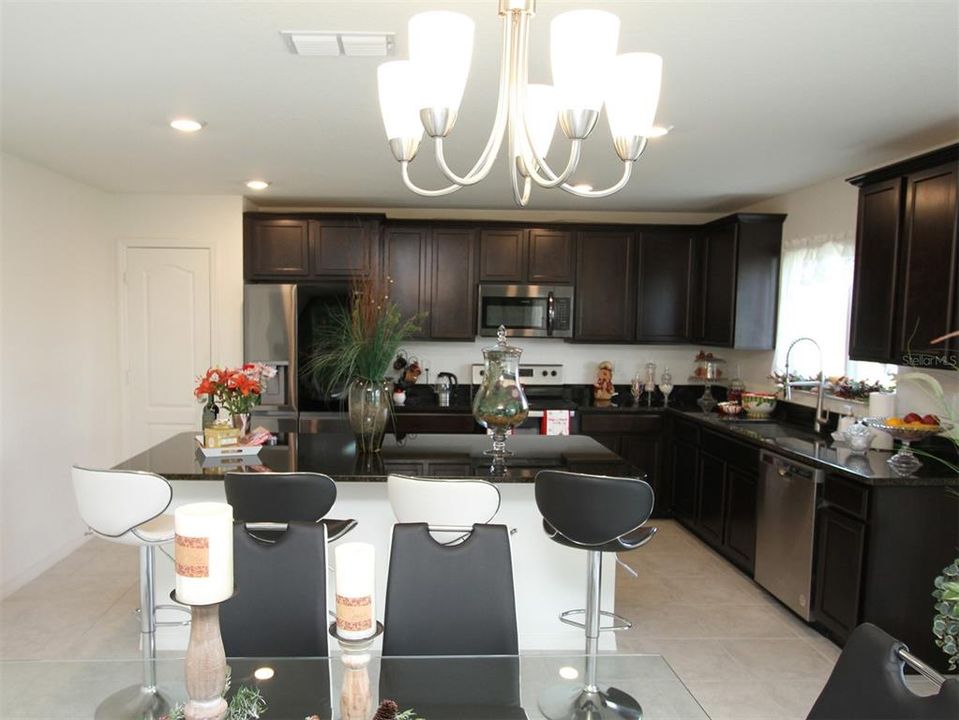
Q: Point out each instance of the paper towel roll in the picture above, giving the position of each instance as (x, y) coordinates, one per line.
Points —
(882, 405)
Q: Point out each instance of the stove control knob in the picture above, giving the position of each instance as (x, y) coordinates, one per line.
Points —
(544, 373)
(553, 373)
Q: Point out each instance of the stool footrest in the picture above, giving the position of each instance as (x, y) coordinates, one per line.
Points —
(170, 623)
(619, 622)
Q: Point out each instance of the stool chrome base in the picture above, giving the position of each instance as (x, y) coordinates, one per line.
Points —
(574, 702)
(133, 703)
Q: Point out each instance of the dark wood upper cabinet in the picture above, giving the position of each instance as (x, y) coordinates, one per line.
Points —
(737, 277)
(872, 327)
(408, 264)
(664, 285)
(605, 302)
(277, 248)
(453, 295)
(907, 261)
(344, 247)
(930, 260)
(310, 246)
(520, 255)
(550, 256)
(502, 255)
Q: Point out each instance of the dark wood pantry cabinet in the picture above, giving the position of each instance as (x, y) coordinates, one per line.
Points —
(907, 262)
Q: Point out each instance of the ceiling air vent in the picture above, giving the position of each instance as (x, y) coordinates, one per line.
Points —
(334, 44)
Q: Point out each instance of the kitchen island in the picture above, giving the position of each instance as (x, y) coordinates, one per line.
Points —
(548, 577)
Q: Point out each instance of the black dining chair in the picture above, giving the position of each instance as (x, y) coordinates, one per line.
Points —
(867, 683)
(450, 599)
(283, 497)
(279, 609)
(596, 514)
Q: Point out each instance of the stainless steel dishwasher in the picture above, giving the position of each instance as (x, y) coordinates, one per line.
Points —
(785, 529)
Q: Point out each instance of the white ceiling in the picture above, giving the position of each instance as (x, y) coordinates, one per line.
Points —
(765, 97)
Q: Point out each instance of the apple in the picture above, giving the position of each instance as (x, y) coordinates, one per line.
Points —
(929, 420)
(912, 418)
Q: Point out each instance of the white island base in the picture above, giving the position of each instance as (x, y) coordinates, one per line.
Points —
(548, 577)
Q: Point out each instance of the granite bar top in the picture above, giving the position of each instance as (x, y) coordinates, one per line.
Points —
(178, 458)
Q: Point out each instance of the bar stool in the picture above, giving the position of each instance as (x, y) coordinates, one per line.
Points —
(128, 507)
(443, 502)
(598, 514)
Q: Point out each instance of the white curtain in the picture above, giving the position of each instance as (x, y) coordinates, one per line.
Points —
(814, 296)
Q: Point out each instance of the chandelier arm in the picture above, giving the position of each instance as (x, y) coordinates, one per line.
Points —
(405, 171)
(521, 81)
(485, 162)
(627, 171)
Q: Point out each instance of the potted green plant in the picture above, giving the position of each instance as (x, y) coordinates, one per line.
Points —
(354, 347)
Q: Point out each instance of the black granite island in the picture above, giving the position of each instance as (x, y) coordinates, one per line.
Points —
(453, 456)
(548, 577)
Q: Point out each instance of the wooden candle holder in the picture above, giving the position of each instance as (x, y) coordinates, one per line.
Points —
(205, 665)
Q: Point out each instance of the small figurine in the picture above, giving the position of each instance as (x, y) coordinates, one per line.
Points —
(603, 389)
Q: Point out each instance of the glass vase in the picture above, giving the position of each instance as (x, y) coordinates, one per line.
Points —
(241, 421)
(500, 402)
(369, 411)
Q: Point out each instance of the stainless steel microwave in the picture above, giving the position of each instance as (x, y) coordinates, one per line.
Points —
(526, 310)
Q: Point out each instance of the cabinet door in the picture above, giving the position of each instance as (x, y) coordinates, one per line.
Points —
(343, 247)
(605, 286)
(739, 536)
(841, 542)
(550, 256)
(408, 266)
(685, 467)
(643, 452)
(663, 285)
(712, 481)
(719, 286)
(453, 293)
(871, 330)
(278, 248)
(929, 260)
(503, 255)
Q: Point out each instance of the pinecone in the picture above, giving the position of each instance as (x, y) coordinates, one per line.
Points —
(386, 711)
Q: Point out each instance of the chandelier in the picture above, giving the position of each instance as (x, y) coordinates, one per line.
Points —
(424, 93)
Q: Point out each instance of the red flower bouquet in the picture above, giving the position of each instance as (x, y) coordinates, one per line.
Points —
(236, 390)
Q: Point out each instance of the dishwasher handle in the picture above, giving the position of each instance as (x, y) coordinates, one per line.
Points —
(785, 468)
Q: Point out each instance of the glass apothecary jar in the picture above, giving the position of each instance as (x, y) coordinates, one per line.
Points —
(500, 402)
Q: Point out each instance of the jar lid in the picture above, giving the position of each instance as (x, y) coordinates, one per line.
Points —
(502, 349)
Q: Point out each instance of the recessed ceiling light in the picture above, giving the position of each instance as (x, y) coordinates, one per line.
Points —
(257, 184)
(187, 125)
(658, 131)
(583, 187)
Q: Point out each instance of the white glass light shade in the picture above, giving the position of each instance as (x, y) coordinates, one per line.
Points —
(397, 88)
(582, 44)
(441, 48)
(632, 93)
(541, 112)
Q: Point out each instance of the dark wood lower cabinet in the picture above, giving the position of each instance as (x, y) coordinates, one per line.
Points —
(842, 544)
(739, 538)
(685, 476)
(710, 514)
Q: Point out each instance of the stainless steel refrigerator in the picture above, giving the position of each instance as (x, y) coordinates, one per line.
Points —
(270, 315)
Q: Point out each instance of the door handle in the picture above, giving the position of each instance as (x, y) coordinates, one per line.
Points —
(550, 312)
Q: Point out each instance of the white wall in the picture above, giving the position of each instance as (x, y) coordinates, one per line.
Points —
(59, 370)
(59, 333)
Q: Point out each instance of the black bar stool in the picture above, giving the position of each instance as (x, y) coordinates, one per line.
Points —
(598, 514)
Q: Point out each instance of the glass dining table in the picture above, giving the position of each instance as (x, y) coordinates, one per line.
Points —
(351, 686)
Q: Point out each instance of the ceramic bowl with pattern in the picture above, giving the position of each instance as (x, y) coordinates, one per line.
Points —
(758, 404)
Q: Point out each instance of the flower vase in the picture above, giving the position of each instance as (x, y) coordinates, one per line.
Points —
(369, 410)
(241, 421)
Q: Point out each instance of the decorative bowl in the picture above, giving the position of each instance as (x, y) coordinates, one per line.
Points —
(905, 462)
(757, 404)
(859, 437)
(730, 408)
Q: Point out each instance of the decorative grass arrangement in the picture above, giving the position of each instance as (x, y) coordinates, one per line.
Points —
(359, 342)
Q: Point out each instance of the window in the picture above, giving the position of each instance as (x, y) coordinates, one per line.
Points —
(815, 295)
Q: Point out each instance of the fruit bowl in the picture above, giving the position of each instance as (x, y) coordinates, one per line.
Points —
(730, 408)
(904, 461)
(758, 404)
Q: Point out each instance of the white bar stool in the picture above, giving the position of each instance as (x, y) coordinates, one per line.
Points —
(460, 503)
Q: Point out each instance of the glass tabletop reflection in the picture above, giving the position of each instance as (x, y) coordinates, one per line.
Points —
(350, 687)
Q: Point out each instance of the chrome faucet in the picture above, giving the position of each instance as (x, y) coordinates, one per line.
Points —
(821, 418)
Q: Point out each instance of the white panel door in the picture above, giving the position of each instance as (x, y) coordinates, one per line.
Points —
(166, 340)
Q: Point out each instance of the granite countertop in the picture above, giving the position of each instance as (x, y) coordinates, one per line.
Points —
(802, 445)
(335, 454)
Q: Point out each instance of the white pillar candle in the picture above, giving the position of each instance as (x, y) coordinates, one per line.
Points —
(204, 553)
(355, 607)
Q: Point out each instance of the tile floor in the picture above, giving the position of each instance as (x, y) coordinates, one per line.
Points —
(741, 654)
